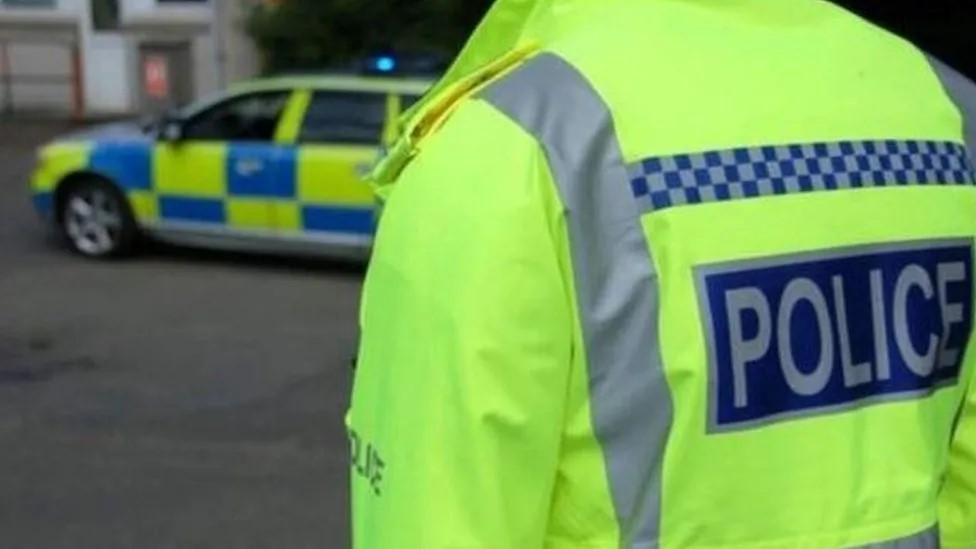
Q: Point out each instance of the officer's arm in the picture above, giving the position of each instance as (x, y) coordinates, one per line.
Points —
(957, 505)
(458, 401)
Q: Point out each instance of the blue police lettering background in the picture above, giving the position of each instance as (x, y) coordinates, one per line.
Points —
(769, 394)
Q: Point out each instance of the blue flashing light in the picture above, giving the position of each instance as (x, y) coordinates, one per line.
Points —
(385, 64)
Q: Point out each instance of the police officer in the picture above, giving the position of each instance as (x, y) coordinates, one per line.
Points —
(674, 274)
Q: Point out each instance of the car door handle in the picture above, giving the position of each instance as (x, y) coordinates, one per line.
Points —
(247, 167)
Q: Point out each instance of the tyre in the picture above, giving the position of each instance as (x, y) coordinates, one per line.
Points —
(95, 220)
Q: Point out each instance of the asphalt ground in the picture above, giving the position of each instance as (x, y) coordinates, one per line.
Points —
(178, 399)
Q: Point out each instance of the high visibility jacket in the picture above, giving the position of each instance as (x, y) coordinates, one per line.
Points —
(674, 274)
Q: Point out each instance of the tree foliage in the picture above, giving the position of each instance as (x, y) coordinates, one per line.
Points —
(316, 34)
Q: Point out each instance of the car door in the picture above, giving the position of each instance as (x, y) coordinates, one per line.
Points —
(227, 171)
(338, 142)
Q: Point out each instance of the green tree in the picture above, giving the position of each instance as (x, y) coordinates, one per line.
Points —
(316, 34)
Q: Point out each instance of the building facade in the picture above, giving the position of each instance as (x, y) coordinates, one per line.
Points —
(91, 58)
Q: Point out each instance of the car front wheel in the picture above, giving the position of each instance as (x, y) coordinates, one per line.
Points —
(96, 221)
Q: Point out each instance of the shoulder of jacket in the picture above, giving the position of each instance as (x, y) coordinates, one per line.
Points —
(417, 129)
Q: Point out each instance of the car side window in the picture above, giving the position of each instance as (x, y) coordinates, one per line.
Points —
(252, 117)
(344, 117)
(409, 100)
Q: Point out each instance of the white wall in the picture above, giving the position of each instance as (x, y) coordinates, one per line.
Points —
(129, 6)
(241, 56)
(107, 84)
(150, 8)
(206, 79)
(108, 88)
(60, 7)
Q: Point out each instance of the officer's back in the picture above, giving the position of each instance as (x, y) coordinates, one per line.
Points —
(751, 224)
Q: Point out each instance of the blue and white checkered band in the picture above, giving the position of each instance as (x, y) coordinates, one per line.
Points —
(665, 182)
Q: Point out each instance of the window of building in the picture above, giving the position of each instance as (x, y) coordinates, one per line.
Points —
(345, 117)
(105, 14)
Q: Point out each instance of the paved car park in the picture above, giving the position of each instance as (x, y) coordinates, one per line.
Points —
(176, 399)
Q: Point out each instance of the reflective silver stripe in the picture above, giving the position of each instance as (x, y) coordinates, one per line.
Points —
(928, 539)
(963, 93)
(616, 285)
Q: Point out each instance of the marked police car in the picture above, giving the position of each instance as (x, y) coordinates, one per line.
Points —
(271, 165)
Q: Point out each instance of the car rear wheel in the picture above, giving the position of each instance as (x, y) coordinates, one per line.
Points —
(96, 221)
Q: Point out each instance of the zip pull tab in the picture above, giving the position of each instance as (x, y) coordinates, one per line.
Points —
(389, 167)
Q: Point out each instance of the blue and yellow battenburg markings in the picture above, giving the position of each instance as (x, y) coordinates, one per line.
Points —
(127, 164)
(215, 180)
(660, 183)
(43, 203)
(810, 334)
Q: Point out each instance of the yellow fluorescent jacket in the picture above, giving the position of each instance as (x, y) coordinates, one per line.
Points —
(673, 274)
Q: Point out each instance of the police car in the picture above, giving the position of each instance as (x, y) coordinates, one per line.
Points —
(271, 165)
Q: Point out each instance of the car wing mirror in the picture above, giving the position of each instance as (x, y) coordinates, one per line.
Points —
(171, 130)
